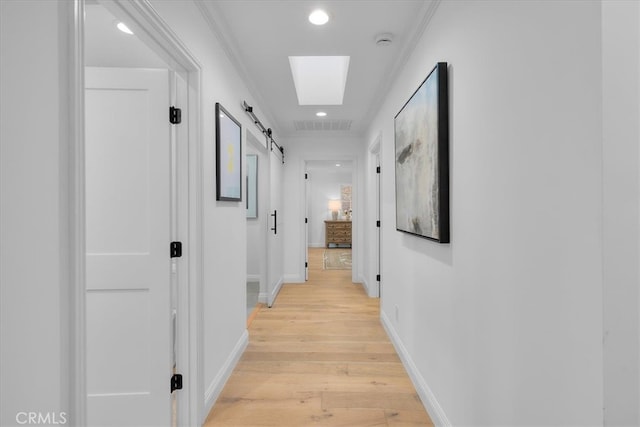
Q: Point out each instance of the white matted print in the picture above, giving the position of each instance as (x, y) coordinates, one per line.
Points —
(228, 156)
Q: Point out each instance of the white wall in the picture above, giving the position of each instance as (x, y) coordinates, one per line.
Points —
(34, 265)
(504, 325)
(297, 152)
(621, 115)
(324, 185)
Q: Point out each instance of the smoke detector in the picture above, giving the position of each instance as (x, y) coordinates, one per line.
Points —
(384, 39)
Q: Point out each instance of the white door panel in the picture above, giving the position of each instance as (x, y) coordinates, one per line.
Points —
(118, 170)
(377, 251)
(276, 248)
(306, 225)
(128, 176)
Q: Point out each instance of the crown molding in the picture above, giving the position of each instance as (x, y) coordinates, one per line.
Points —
(427, 11)
(220, 31)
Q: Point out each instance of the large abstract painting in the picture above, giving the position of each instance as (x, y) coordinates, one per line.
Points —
(422, 160)
(228, 156)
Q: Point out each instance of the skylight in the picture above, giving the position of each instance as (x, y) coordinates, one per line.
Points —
(319, 80)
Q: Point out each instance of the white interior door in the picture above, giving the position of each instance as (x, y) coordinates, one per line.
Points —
(306, 226)
(128, 183)
(275, 228)
(378, 198)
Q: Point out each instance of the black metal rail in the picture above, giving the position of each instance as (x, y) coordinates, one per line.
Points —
(267, 132)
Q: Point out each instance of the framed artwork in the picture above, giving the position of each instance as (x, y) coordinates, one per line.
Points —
(345, 199)
(252, 186)
(422, 160)
(228, 156)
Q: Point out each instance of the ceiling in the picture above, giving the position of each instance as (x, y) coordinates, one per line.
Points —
(260, 35)
(105, 46)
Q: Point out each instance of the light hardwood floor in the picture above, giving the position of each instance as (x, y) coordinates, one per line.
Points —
(319, 357)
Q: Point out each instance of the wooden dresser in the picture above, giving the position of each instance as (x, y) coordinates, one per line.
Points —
(338, 232)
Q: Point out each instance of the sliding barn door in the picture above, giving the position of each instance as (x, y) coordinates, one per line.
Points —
(276, 228)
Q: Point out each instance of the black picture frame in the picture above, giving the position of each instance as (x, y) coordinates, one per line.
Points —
(421, 134)
(228, 156)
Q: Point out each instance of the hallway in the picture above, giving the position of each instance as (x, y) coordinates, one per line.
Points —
(319, 357)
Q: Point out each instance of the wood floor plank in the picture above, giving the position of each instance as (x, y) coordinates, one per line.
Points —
(299, 416)
(324, 347)
(319, 357)
(384, 400)
(322, 382)
(407, 418)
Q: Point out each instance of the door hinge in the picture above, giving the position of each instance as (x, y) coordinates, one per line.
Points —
(377, 223)
(175, 115)
(176, 249)
(306, 264)
(176, 382)
(306, 176)
(377, 278)
(378, 169)
(306, 220)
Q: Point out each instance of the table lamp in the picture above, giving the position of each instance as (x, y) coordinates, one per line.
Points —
(334, 207)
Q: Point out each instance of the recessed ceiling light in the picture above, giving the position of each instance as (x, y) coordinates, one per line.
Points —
(338, 164)
(318, 17)
(321, 114)
(122, 27)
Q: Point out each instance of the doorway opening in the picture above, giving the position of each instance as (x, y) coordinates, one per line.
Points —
(329, 213)
(131, 288)
(257, 185)
(131, 187)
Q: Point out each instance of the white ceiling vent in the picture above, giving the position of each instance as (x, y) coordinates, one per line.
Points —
(384, 39)
(322, 125)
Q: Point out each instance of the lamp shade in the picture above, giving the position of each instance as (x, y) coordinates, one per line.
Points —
(334, 205)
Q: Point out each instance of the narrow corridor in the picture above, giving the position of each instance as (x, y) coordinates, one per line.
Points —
(319, 357)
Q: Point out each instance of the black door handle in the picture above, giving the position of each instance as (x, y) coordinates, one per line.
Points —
(275, 222)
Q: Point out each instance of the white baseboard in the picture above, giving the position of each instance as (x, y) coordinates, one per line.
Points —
(365, 284)
(262, 297)
(275, 291)
(294, 278)
(316, 245)
(371, 290)
(253, 278)
(215, 388)
(427, 397)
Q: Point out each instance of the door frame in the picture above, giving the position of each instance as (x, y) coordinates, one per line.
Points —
(263, 205)
(152, 30)
(306, 223)
(356, 222)
(374, 180)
